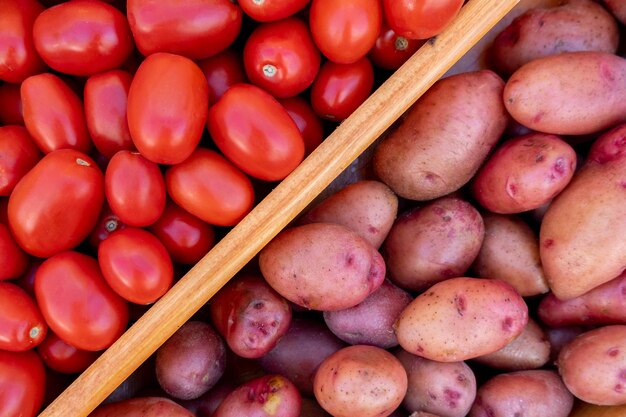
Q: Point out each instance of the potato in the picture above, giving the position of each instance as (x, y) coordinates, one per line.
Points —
(510, 251)
(462, 318)
(360, 380)
(524, 173)
(367, 207)
(142, 407)
(444, 137)
(429, 244)
(322, 266)
(534, 393)
(577, 25)
(618, 8)
(572, 93)
(446, 389)
(207, 403)
(582, 241)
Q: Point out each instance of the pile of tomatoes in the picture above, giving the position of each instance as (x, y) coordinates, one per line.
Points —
(132, 133)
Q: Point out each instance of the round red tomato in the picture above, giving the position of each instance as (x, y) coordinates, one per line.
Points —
(19, 155)
(13, 260)
(22, 383)
(77, 303)
(57, 203)
(22, 326)
(210, 187)
(167, 107)
(256, 133)
(271, 10)
(310, 125)
(281, 57)
(222, 71)
(391, 50)
(10, 105)
(61, 357)
(108, 223)
(420, 19)
(345, 30)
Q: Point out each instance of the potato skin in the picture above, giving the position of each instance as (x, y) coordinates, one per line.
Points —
(462, 318)
(617, 8)
(444, 137)
(142, 407)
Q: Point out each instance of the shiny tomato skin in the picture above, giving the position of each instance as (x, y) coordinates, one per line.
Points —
(256, 133)
(57, 355)
(272, 10)
(57, 203)
(167, 108)
(211, 188)
(11, 105)
(107, 223)
(22, 327)
(420, 19)
(22, 383)
(77, 303)
(13, 260)
(19, 155)
(309, 123)
(222, 71)
(345, 30)
(281, 57)
(58, 126)
(391, 50)
(106, 103)
(341, 88)
(196, 29)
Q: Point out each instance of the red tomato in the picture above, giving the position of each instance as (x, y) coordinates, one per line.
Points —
(256, 133)
(10, 105)
(281, 57)
(27, 280)
(391, 50)
(108, 223)
(167, 108)
(18, 57)
(340, 88)
(210, 187)
(420, 19)
(57, 126)
(77, 303)
(55, 206)
(310, 125)
(134, 188)
(4, 204)
(222, 71)
(22, 326)
(61, 357)
(196, 29)
(345, 30)
(106, 100)
(271, 10)
(13, 260)
(22, 383)
(19, 155)
(83, 37)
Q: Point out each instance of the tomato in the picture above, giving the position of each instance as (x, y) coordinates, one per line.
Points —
(4, 217)
(167, 108)
(83, 37)
(341, 88)
(345, 30)
(271, 10)
(420, 19)
(186, 237)
(19, 155)
(222, 71)
(106, 101)
(391, 50)
(61, 357)
(22, 326)
(136, 265)
(210, 187)
(310, 125)
(18, 57)
(77, 303)
(55, 206)
(108, 222)
(57, 126)
(22, 383)
(196, 29)
(281, 57)
(13, 260)
(10, 105)
(27, 280)
(256, 133)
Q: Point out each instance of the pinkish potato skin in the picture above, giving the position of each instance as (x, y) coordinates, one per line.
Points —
(142, 407)
(618, 8)
(432, 243)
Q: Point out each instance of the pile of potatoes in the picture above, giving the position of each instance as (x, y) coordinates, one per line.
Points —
(479, 271)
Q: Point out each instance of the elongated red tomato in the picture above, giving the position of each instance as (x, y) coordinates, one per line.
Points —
(420, 19)
(10, 105)
(392, 50)
(13, 260)
(22, 326)
(56, 204)
(19, 155)
(222, 71)
(77, 303)
(310, 125)
(22, 383)
(108, 222)
(256, 133)
(271, 10)
(167, 108)
(61, 357)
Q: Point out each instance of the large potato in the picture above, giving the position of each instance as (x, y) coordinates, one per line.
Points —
(444, 138)
(618, 8)
(142, 407)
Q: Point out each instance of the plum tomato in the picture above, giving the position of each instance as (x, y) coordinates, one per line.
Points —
(22, 327)
(222, 71)
(13, 260)
(10, 105)
(392, 50)
(19, 155)
(271, 10)
(107, 223)
(61, 357)
(22, 383)
(310, 125)
(420, 19)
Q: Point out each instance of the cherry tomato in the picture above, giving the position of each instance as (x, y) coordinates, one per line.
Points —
(55, 206)
(391, 50)
(222, 71)
(10, 105)
(57, 126)
(345, 30)
(310, 125)
(13, 260)
(106, 101)
(210, 187)
(256, 133)
(22, 326)
(19, 155)
(340, 88)
(57, 355)
(167, 107)
(281, 57)
(271, 10)
(77, 303)
(196, 29)
(22, 383)
(420, 19)
(108, 222)
(18, 57)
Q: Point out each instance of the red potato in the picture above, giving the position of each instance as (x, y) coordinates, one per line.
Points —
(142, 407)
(617, 8)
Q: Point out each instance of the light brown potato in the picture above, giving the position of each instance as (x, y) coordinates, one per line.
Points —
(462, 318)
(444, 138)
(510, 252)
(142, 407)
(617, 8)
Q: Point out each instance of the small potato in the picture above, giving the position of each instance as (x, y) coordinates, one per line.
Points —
(142, 407)
(360, 380)
(462, 318)
(618, 9)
